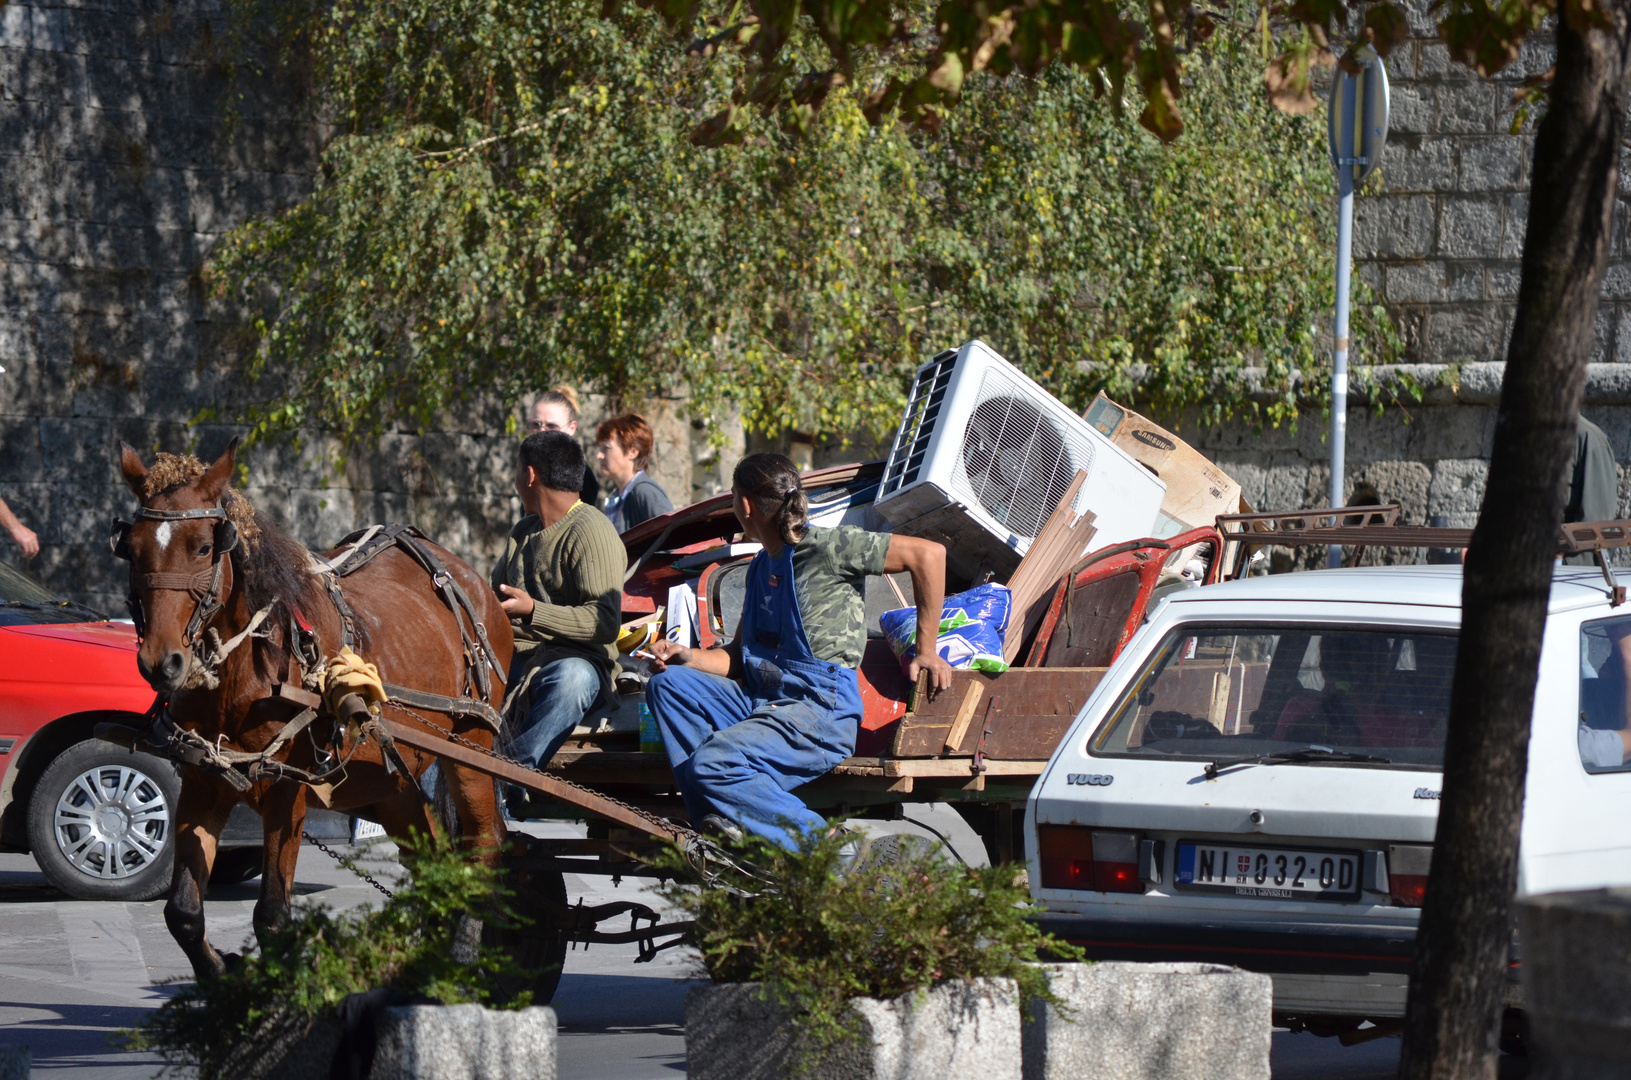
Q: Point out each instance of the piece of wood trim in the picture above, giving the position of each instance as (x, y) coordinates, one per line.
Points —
(931, 767)
(965, 713)
(1061, 543)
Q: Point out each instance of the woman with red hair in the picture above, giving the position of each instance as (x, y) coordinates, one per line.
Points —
(622, 448)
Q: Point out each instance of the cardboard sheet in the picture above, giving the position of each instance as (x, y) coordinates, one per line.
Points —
(1197, 490)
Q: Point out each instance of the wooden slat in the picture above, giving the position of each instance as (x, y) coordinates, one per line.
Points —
(1035, 706)
(1062, 541)
(930, 768)
(965, 713)
(588, 801)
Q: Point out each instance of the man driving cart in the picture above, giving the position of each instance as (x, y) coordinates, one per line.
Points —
(781, 704)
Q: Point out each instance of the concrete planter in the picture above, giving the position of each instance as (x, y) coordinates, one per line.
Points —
(430, 1042)
(1151, 1022)
(1577, 983)
(465, 1042)
(956, 1029)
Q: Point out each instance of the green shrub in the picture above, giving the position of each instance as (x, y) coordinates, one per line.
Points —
(270, 998)
(817, 932)
(511, 199)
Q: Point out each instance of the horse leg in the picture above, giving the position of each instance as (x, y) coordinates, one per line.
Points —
(201, 813)
(283, 816)
(403, 814)
(477, 803)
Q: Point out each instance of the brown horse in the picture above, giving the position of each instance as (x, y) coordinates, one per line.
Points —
(197, 542)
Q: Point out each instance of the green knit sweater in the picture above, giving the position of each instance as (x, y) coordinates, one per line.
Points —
(573, 571)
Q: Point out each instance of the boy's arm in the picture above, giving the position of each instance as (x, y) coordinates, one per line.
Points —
(925, 560)
(726, 661)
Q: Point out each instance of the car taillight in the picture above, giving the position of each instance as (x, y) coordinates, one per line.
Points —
(1409, 890)
(1407, 868)
(1072, 857)
(1066, 855)
(1115, 862)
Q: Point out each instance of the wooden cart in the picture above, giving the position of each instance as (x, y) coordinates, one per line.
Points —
(979, 746)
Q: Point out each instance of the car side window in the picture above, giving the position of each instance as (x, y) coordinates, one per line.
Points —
(1604, 732)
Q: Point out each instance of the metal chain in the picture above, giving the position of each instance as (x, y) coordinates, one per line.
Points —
(349, 864)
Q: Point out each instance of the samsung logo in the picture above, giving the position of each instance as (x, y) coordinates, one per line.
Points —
(1150, 438)
(1427, 793)
(1090, 779)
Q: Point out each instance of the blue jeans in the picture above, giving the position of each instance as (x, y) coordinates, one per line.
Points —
(741, 756)
(561, 692)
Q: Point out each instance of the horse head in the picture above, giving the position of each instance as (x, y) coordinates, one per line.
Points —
(177, 547)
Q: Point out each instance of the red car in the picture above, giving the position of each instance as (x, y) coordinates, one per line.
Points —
(99, 819)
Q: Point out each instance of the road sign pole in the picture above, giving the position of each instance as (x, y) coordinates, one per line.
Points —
(1357, 119)
(1339, 366)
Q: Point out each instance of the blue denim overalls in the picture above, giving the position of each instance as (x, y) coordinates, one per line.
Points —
(739, 752)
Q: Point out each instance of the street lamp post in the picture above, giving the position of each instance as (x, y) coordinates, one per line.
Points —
(1357, 128)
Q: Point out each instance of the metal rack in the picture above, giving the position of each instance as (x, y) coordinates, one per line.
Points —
(1361, 527)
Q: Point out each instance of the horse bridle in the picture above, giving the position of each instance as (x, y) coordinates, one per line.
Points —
(204, 586)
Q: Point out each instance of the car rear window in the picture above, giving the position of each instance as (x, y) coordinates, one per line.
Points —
(1211, 692)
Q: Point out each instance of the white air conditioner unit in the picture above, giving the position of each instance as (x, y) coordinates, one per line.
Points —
(984, 454)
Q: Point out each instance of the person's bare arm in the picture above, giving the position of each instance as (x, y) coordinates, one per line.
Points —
(726, 661)
(925, 560)
(21, 533)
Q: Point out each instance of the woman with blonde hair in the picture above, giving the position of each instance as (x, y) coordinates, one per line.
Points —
(556, 409)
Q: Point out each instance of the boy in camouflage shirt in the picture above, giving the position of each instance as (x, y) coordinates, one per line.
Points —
(740, 748)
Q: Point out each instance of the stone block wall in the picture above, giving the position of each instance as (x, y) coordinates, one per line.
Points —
(119, 170)
(117, 175)
(1440, 236)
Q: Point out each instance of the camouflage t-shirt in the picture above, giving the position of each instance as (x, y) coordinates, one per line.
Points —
(830, 567)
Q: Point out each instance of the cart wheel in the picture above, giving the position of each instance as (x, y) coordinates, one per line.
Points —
(538, 946)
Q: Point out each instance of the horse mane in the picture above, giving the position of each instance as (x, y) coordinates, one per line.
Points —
(277, 571)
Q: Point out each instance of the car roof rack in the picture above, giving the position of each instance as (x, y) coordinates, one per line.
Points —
(1361, 527)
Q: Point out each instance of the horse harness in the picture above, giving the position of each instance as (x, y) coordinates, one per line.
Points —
(204, 586)
(241, 769)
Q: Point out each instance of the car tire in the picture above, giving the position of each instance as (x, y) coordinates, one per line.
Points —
(234, 866)
(102, 820)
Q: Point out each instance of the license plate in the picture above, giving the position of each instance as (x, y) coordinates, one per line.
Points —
(1275, 873)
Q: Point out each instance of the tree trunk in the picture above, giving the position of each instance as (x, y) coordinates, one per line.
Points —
(1456, 987)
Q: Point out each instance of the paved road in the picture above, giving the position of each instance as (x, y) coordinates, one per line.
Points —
(72, 974)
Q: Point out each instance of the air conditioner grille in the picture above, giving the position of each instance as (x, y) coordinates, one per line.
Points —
(1017, 460)
(917, 427)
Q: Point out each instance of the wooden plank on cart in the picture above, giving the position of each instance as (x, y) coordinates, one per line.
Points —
(584, 799)
(933, 768)
(1057, 548)
(1019, 715)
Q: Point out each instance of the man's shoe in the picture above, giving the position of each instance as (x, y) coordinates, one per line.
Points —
(722, 828)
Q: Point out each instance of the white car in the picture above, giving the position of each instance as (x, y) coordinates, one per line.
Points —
(1256, 781)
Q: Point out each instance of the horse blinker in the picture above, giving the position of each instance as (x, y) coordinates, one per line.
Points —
(119, 540)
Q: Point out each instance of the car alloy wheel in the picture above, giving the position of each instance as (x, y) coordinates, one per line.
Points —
(102, 822)
(112, 822)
